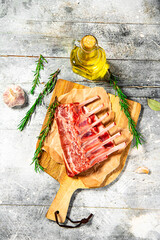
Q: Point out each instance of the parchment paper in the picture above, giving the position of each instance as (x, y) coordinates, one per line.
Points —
(95, 176)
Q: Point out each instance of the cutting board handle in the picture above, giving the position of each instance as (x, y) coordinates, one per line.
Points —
(62, 199)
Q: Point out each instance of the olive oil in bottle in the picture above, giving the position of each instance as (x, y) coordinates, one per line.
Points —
(89, 60)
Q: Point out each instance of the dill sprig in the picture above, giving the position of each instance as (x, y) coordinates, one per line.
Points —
(49, 86)
(43, 134)
(40, 65)
(137, 136)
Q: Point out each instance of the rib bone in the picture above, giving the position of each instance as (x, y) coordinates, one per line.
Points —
(89, 101)
(84, 117)
(94, 110)
(103, 143)
(98, 134)
(93, 124)
(110, 151)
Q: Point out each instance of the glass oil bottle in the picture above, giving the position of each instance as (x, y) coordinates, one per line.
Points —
(89, 60)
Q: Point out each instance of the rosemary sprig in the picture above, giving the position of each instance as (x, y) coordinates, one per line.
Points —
(43, 134)
(40, 65)
(49, 86)
(137, 136)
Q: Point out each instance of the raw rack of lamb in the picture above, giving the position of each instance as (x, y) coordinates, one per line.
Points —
(84, 139)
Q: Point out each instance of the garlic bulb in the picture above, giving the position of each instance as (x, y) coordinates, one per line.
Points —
(14, 96)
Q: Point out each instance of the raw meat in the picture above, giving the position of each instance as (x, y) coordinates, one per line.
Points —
(84, 139)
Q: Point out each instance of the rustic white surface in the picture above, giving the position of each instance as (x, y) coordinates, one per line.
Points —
(55, 39)
(129, 208)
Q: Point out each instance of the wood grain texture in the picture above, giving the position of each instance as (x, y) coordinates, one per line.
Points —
(131, 73)
(130, 191)
(52, 39)
(69, 185)
(129, 207)
(27, 222)
(139, 11)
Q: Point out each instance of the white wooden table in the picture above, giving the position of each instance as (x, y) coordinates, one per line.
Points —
(129, 31)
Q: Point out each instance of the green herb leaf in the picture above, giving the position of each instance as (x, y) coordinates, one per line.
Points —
(153, 104)
(49, 86)
(43, 135)
(137, 136)
(40, 65)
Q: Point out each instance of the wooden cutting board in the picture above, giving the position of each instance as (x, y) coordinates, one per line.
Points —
(67, 184)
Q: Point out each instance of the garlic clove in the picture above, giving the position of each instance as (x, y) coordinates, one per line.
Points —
(142, 170)
(14, 96)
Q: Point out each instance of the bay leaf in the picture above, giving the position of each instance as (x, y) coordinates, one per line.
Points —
(153, 104)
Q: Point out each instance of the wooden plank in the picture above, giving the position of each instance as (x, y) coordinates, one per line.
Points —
(15, 115)
(131, 72)
(28, 222)
(39, 189)
(138, 11)
(20, 185)
(131, 92)
(120, 41)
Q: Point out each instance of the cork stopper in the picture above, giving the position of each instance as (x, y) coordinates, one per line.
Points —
(88, 42)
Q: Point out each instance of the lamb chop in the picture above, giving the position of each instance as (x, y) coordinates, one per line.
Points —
(84, 139)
